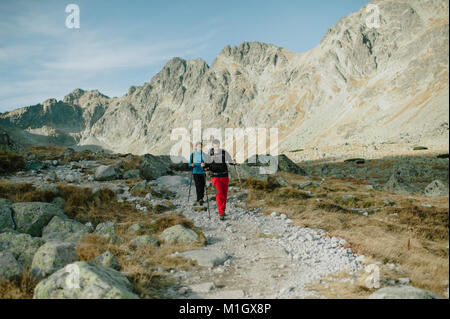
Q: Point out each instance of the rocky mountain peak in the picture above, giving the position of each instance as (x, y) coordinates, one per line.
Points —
(84, 98)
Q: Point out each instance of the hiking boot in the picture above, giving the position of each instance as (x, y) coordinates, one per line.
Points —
(221, 217)
(201, 202)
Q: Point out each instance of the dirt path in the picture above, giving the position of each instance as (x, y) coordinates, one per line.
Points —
(267, 257)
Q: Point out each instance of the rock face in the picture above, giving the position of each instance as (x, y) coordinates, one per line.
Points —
(83, 280)
(32, 217)
(179, 234)
(403, 292)
(360, 85)
(144, 240)
(51, 257)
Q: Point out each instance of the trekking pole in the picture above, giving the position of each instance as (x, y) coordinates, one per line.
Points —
(190, 183)
(237, 173)
(207, 200)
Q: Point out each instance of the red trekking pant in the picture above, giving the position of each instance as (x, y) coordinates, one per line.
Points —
(221, 184)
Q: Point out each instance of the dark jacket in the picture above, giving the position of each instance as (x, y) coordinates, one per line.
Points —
(217, 162)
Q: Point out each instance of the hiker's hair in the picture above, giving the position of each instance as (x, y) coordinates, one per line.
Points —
(198, 143)
(216, 142)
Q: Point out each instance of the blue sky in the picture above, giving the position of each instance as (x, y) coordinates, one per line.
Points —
(124, 43)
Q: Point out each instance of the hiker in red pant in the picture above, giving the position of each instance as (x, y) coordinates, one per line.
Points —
(216, 161)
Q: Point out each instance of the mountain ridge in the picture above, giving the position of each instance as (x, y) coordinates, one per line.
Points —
(360, 85)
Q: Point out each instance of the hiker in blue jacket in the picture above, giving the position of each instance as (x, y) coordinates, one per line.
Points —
(195, 160)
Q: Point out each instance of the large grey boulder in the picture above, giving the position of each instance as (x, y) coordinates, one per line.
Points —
(245, 171)
(10, 268)
(396, 184)
(85, 280)
(32, 217)
(403, 292)
(179, 234)
(64, 229)
(132, 173)
(281, 163)
(106, 173)
(144, 240)
(436, 189)
(106, 259)
(6, 219)
(51, 257)
(153, 167)
(106, 228)
(172, 180)
(205, 257)
(21, 246)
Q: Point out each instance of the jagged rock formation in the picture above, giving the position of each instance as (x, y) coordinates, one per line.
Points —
(360, 85)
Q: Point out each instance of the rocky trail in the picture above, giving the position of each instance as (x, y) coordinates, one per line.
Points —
(251, 255)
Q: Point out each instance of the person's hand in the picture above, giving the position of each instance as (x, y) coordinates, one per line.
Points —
(203, 164)
(234, 162)
(192, 164)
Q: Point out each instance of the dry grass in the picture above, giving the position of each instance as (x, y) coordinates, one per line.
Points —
(24, 192)
(46, 152)
(10, 163)
(408, 234)
(139, 265)
(20, 288)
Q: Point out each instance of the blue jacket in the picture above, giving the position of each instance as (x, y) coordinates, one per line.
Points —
(198, 158)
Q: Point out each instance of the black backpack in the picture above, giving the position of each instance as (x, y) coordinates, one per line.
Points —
(220, 168)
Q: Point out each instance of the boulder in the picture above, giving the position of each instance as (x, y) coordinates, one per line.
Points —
(132, 173)
(284, 163)
(106, 228)
(105, 173)
(403, 292)
(32, 217)
(59, 201)
(247, 171)
(205, 257)
(436, 189)
(4, 201)
(398, 185)
(85, 280)
(281, 181)
(306, 184)
(133, 229)
(179, 234)
(34, 165)
(10, 268)
(21, 246)
(174, 180)
(107, 259)
(64, 229)
(144, 240)
(140, 187)
(152, 167)
(6, 219)
(51, 257)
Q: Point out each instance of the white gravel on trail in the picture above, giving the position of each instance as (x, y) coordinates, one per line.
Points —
(269, 257)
